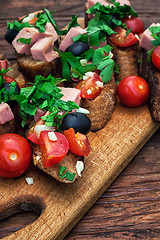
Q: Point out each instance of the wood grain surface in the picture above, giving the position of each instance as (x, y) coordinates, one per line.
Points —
(130, 208)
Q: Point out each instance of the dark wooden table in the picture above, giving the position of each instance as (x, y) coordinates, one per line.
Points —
(130, 208)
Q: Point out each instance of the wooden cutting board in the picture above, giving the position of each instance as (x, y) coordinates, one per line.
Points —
(61, 206)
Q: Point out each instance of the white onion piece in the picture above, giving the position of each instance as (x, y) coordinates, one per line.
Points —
(52, 136)
(39, 128)
(83, 110)
(29, 180)
(79, 167)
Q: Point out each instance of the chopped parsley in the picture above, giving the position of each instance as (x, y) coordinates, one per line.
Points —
(45, 94)
(24, 40)
(100, 58)
(155, 30)
(67, 174)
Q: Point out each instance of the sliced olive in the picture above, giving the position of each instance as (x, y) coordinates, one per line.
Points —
(78, 121)
(10, 35)
(78, 48)
(111, 22)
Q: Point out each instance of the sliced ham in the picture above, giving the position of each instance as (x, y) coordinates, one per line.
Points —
(27, 33)
(39, 113)
(36, 37)
(71, 94)
(73, 32)
(146, 38)
(43, 50)
(6, 113)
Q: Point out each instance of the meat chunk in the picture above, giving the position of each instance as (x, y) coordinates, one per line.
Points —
(27, 33)
(69, 161)
(43, 50)
(152, 76)
(6, 113)
(146, 38)
(71, 94)
(102, 107)
(73, 32)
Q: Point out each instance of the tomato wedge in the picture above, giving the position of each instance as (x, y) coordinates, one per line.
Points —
(134, 23)
(78, 142)
(53, 151)
(156, 57)
(120, 39)
(89, 88)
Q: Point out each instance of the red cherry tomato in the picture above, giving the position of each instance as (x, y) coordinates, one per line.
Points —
(15, 155)
(31, 135)
(156, 57)
(53, 151)
(78, 142)
(134, 23)
(133, 91)
(89, 88)
(120, 39)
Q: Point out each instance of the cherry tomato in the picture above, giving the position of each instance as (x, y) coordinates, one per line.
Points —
(53, 151)
(156, 57)
(134, 23)
(78, 142)
(89, 88)
(31, 135)
(3, 64)
(15, 155)
(120, 39)
(133, 91)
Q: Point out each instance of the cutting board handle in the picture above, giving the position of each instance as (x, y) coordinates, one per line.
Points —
(23, 204)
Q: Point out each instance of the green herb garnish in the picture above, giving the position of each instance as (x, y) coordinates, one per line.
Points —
(67, 174)
(45, 94)
(24, 40)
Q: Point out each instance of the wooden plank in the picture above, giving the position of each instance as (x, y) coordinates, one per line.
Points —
(63, 205)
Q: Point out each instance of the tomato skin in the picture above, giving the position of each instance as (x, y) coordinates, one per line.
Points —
(78, 143)
(133, 91)
(53, 151)
(90, 84)
(156, 57)
(120, 39)
(14, 145)
(134, 23)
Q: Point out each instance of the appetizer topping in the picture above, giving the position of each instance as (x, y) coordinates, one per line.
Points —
(15, 155)
(135, 24)
(29, 180)
(78, 121)
(77, 48)
(89, 88)
(78, 142)
(52, 136)
(133, 91)
(121, 39)
(6, 113)
(68, 40)
(10, 35)
(156, 57)
(147, 38)
(82, 110)
(53, 151)
(79, 167)
(65, 174)
(38, 128)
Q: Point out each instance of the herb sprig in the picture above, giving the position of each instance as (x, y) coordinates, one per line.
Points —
(155, 30)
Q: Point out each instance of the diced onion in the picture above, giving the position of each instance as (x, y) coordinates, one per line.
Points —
(79, 167)
(137, 36)
(28, 18)
(85, 77)
(82, 110)
(89, 74)
(29, 180)
(39, 128)
(83, 61)
(52, 136)
(99, 84)
(89, 91)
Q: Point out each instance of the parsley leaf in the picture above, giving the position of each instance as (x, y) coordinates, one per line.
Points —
(24, 40)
